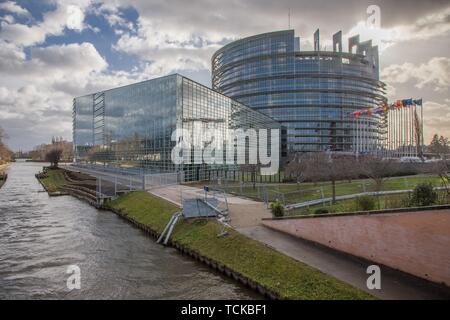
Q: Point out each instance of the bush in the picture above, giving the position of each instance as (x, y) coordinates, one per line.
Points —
(277, 209)
(397, 201)
(365, 203)
(321, 211)
(423, 195)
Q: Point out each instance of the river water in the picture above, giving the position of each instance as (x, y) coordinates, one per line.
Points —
(40, 237)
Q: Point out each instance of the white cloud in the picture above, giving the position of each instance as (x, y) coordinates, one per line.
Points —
(436, 119)
(13, 7)
(66, 15)
(434, 73)
(7, 18)
(432, 25)
(36, 94)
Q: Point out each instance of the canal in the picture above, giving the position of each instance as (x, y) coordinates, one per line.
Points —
(41, 236)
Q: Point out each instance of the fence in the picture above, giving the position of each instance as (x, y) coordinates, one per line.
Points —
(110, 182)
(292, 193)
(152, 181)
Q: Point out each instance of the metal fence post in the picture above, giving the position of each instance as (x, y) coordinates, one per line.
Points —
(322, 195)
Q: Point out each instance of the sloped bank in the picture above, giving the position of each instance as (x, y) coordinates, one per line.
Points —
(3, 178)
(254, 264)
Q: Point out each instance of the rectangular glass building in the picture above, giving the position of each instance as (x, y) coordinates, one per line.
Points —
(131, 127)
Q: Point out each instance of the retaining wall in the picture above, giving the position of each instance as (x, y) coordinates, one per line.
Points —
(414, 242)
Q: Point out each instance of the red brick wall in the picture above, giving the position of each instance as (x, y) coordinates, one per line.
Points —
(413, 242)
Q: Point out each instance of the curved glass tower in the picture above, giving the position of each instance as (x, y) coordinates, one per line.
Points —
(311, 93)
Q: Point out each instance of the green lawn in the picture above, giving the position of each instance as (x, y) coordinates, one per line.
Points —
(54, 180)
(295, 193)
(280, 273)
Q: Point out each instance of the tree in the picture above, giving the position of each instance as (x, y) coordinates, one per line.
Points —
(441, 169)
(53, 156)
(377, 169)
(322, 166)
(439, 145)
(297, 167)
(5, 153)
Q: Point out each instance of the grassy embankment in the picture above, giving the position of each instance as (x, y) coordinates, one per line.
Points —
(288, 278)
(54, 179)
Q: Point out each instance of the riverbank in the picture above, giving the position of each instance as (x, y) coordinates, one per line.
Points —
(59, 182)
(3, 175)
(52, 180)
(248, 261)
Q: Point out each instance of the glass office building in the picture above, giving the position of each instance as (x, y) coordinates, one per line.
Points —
(311, 93)
(131, 127)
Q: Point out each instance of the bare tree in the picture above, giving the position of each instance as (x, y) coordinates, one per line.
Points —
(5, 153)
(322, 166)
(297, 166)
(377, 169)
(53, 156)
(441, 169)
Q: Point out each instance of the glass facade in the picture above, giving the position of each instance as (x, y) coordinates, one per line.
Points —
(131, 127)
(311, 93)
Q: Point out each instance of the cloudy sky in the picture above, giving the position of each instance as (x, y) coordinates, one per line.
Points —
(54, 50)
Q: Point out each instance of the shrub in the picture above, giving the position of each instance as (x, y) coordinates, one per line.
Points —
(277, 209)
(423, 195)
(321, 211)
(365, 203)
(397, 201)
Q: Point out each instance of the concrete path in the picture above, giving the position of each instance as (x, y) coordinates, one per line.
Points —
(394, 284)
(243, 212)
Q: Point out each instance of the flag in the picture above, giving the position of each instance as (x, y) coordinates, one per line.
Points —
(417, 102)
(407, 102)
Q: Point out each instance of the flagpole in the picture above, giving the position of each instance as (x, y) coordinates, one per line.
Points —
(421, 127)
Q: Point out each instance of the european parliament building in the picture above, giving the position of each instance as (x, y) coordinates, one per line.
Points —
(261, 82)
(131, 127)
(311, 93)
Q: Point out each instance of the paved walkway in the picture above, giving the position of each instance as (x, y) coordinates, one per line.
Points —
(243, 212)
(394, 284)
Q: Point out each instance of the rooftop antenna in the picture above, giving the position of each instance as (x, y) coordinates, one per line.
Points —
(289, 18)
